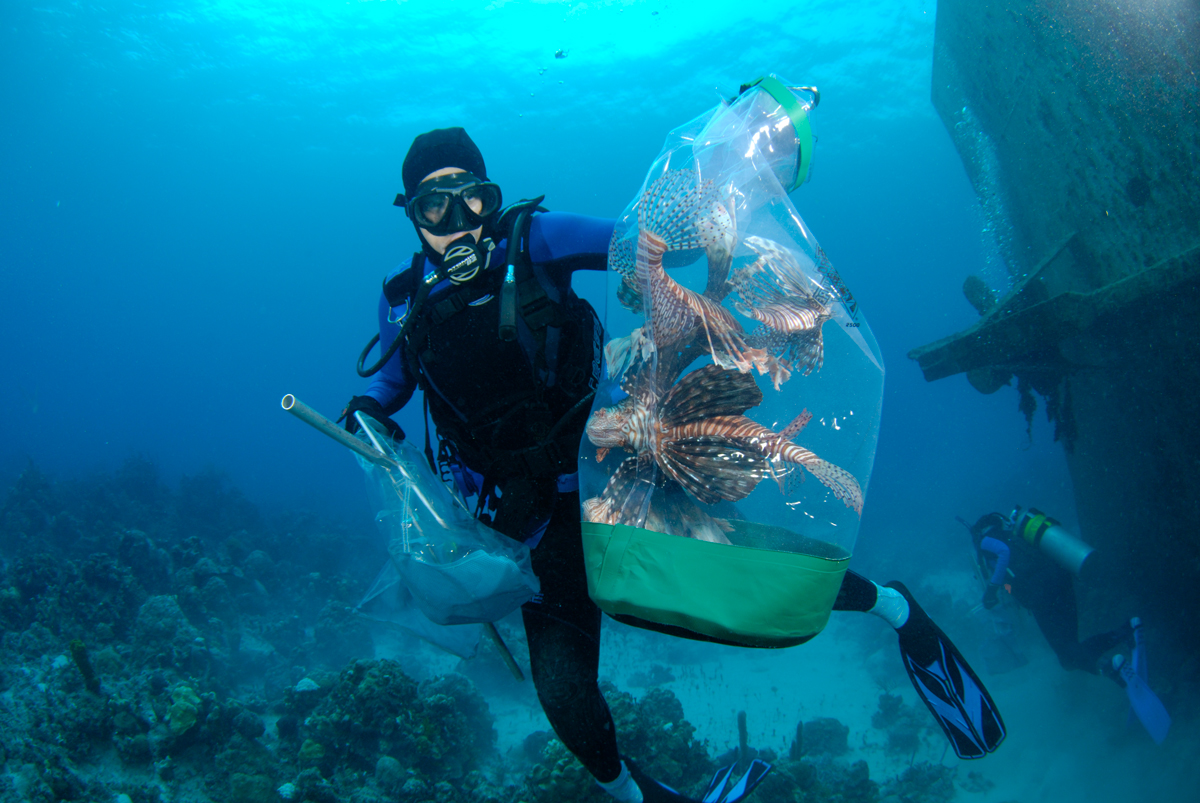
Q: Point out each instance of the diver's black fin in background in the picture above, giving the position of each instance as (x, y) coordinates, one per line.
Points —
(951, 690)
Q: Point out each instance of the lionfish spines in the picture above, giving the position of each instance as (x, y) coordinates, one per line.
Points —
(709, 392)
(680, 212)
(622, 255)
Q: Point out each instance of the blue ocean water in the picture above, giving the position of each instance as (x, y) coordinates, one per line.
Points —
(196, 212)
(195, 218)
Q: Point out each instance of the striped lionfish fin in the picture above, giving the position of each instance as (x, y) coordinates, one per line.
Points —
(622, 254)
(712, 468)
(625, 499)
(798, 423)
(711, 391)
(682, 213)
(838, 480)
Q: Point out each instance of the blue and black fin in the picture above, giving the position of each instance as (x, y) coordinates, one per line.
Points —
(657, 792)
(716, 793)
(951, 690)
(1134, 677)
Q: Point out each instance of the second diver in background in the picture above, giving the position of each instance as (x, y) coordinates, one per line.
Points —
(1032, 558)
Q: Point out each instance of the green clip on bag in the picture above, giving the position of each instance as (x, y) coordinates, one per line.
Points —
(725, 462)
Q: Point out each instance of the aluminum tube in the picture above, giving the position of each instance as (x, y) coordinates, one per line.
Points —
(1065, 549)
(322, 424)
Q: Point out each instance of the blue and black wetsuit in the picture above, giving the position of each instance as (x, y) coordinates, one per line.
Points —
(512, 414)
(1045, 589)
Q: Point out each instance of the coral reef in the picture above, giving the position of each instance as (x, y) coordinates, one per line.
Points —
(652, 731)
(159, 645)
(902, 723)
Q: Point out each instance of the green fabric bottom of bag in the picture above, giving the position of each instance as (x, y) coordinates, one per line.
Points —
(730, 592)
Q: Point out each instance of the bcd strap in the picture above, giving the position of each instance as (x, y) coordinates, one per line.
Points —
(401, 288)
(518, 266)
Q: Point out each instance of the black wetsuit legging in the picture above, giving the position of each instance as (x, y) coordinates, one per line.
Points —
(1047, 591)
(563, 631)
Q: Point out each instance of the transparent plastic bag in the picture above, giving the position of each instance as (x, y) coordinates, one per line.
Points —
(741, 406)
(456, 569)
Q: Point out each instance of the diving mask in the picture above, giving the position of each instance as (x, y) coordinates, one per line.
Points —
(452, 203)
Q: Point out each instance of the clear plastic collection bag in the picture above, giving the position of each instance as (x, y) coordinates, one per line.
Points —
(454, 568)
(740, 413)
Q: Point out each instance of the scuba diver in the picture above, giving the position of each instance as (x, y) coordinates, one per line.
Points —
(1032, 558)
(484, 321)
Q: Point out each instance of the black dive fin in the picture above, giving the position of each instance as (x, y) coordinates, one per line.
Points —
(951, 690)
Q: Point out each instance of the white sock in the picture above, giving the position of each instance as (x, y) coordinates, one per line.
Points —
(623, 788)
(890, 606)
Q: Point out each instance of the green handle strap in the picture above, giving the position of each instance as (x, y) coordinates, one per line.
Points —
(799, 117)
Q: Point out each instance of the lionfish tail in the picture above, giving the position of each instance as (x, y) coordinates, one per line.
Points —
(598, 510)
(684, 214)
(838, 480)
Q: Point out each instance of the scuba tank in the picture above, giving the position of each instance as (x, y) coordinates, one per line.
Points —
(1048, 535)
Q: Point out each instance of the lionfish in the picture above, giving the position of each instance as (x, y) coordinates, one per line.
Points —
(774, 291)
(677, 214)
(700, 438)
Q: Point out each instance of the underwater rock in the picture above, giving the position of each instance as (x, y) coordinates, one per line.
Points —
(535, 743)
(185, 706)
(257, 566)
(560, 776)
(249, 724)
(389, 774)
(442, 728)
(160, 619)
(306, 685)
(216, 598)
(902, 723)
(976, 783)
(825, 736)
(149, 563)
(652, 731)
(250, 789)
(657, 675)
(923, 783)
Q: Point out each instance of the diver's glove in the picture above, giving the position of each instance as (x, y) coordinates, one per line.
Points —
(991, 597)
(367, 405)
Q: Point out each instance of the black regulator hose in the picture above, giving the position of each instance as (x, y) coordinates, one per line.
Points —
(418, 302)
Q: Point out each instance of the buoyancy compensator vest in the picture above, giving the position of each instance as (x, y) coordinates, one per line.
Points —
(507, 365)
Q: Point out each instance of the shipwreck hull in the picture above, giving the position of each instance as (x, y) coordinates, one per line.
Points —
(1078, 126)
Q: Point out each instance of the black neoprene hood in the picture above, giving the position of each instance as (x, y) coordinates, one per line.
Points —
(442, 147)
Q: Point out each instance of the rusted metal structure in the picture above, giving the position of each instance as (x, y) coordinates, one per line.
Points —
(1079, 126)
